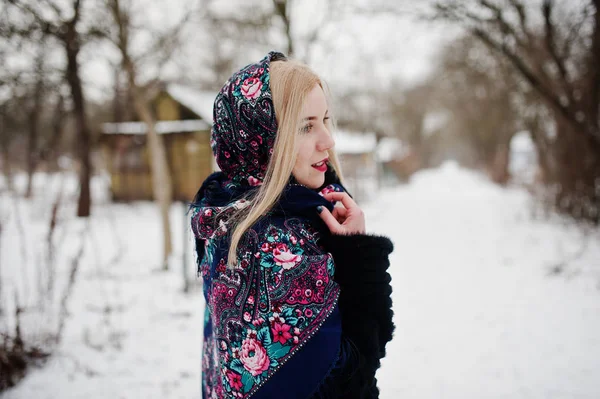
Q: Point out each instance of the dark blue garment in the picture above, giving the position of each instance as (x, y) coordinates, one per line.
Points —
(306, 370)
(302, 373)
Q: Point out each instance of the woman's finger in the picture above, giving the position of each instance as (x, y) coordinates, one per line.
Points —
(347, 201)
(340, 213)
(329, 219)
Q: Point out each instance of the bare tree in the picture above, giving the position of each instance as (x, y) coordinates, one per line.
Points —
(282, 10)
(542, 56)
(57, 127)
(558, 58)
(9, 127)
(165, 45)
(479, 89)
(64, 24)
(34, 116)
(12, 103)
(256, 20)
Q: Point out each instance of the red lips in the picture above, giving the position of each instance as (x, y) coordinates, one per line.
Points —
(321, 166)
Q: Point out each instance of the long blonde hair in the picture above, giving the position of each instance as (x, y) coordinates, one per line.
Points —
(290, 83)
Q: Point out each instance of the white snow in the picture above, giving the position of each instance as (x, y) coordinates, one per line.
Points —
(522, 142)
(199, 101)
(523, 158)
(478, 312)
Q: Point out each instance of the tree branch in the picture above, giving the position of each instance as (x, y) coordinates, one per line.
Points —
(122, 40)
(54, 7)
(460, 14)
(573, 33)
(505, 28)
(520, 9)
(315, 35)
(169, 42)
(77, 10)
(252, 23)
(547, 8)
(281, 10)
(594, 68)
(533, 80)
(46, 26)
(457, 12)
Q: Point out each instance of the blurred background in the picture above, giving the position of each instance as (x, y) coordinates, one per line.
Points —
(469, 132)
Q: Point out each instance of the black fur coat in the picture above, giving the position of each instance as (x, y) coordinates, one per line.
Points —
(366, 307)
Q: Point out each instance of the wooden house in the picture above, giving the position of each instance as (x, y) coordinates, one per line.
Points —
(366, 162)
(184, 119)
(357, 153)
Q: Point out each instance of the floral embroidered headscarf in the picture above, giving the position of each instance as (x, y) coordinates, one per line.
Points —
(244, 123)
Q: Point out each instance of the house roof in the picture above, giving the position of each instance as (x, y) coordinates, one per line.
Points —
(198, 101)
(353, 142)
(391, 148)
(162, 127)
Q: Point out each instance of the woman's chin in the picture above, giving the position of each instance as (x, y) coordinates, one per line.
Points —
(316, 183)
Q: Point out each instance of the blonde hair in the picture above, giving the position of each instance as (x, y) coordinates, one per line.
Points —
(290, 83)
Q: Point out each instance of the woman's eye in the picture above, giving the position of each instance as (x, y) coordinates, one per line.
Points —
(325, 119)
(306, 128)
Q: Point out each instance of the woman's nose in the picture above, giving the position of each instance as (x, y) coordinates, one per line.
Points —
(325, 141)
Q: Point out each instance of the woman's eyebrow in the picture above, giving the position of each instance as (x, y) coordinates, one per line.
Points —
(313, 118)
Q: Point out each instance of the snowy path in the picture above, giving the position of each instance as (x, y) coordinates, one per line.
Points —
(477, 313)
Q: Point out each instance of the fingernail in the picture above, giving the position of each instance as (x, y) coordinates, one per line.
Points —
(319, 209)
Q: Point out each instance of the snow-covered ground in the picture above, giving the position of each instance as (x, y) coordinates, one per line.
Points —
(479, 311)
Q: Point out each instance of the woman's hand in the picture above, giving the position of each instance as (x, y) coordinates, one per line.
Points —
(346, 218)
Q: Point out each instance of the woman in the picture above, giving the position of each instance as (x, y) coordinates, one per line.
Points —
(298, 296)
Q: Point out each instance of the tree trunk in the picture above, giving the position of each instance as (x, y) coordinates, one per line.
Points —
(281, 9)
(537, 123)
(592, 95)
(72, 48)
(7, 169)
(5, 140)
(542, 151)
(161, 178)
(117, 103)
(32, 152)
(499, 166)
(577, 175)
(50, 153)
